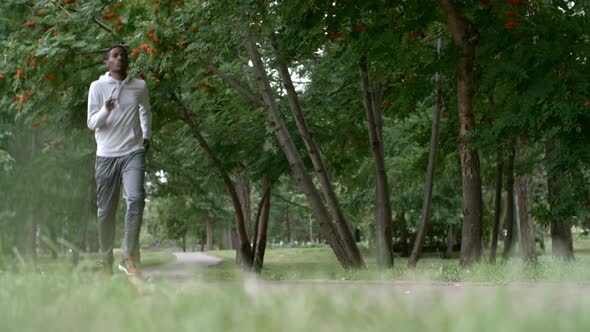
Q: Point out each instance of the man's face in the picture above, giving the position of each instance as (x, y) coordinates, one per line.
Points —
(118, 60)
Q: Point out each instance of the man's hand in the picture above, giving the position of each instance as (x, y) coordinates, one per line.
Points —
(146, 144)
(110, 104)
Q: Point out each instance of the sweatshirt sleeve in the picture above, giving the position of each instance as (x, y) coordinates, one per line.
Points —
(97, 111)
(145, 113)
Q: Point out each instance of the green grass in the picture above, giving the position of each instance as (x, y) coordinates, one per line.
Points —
(221, 298)
(320, 263)
(88, 262)
(82, 303)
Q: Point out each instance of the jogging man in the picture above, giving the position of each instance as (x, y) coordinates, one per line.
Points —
(119, 113)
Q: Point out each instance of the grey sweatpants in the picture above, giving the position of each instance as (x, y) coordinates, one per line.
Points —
(111, 172)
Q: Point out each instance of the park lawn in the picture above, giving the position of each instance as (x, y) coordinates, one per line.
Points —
(320, 263)
(88, 262)
(223, 299)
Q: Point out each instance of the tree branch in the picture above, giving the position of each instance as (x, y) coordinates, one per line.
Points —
(231, 82)
(104, 26)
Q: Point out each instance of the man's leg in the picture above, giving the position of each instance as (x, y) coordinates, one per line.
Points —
(134, 193)
(108, 186)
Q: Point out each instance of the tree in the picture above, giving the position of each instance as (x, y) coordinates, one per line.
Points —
(466, 38)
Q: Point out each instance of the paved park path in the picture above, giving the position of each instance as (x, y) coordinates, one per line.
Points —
(181, 273)
(182, 269)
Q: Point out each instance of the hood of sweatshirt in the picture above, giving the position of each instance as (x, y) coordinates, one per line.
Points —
(117, 85)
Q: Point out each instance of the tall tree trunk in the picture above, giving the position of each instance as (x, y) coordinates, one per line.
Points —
(508, 241)
(53, 248)
(243, 191)
(209, 222)
(259, 209)
(451, 239)
(83, 231)
(525, 222)
(561, 234)
(466, 39)
(342, 251)
(227, 237)
(31, 234)
(31, 223)
(427, 202)
(497, 206)
(288, 227)
(403, 233)
(527, 233)
(243, 243)
(316, 158)
(203, 240)
(262, 227)
(383, 220)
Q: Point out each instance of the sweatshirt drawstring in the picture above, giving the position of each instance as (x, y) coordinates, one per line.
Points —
(119, 86)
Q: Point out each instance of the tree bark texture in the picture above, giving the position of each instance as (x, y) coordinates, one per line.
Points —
(525, 221)
(262, 227)
(466, 38)
(510, 206)
(497, 206)
(315, 156)
(527, 232)
(383, 221)
(243, 191)
(561, 235)
(338, 245)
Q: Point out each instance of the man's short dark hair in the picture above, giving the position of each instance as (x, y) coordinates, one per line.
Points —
(123, 47)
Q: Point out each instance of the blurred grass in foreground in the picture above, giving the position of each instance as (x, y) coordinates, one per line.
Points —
(87, 263)
(221, 298)
(82, 303)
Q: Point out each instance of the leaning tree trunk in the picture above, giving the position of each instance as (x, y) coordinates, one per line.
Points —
(466, 39)
(316, 158)
(427, 202)
(497, 206)
(243, 242)
(561, 234)
(510, 206)
(261, 228)
(383, 220)
(338, 245)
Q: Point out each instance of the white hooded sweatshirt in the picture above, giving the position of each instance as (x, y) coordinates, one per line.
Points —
(123, 129)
